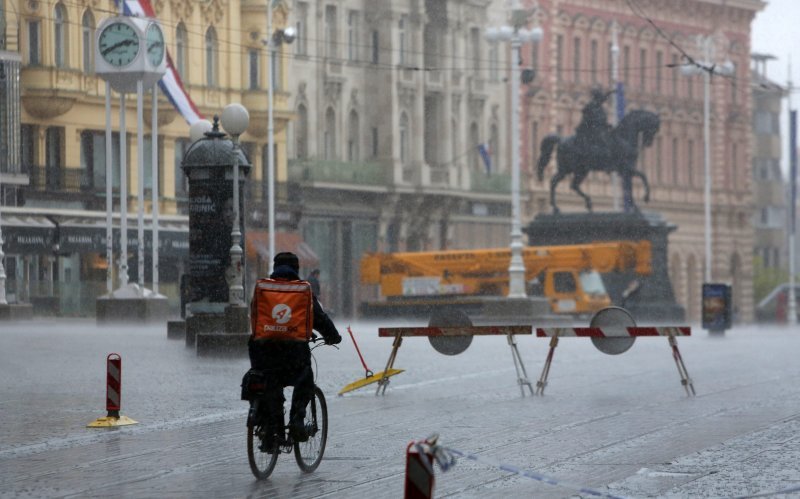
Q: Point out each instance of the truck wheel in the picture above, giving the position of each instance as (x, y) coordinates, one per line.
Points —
(450, 345)
(613, 317)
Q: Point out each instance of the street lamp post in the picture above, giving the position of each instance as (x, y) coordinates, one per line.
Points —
(235, 120)
(706, 67)
(273, 40)
(516, 35)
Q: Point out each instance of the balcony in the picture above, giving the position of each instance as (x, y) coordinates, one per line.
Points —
(496, 183)
(64, 180)
(338, 172)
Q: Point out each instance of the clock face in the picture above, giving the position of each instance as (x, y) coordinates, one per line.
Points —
(118, 44)
(155, 44)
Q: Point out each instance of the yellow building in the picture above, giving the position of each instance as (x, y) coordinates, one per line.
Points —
(217, 48)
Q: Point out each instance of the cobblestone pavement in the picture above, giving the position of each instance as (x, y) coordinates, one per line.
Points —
(622, 425)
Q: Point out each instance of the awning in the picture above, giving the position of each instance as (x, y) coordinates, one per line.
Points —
(27, 234)
(257, 244)
(88, 235)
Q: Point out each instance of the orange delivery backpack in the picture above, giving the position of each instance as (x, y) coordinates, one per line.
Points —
(281, 310)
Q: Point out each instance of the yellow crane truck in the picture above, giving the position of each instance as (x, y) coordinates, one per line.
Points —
(567, 277)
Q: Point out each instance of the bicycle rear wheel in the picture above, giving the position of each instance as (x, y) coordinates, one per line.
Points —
(261, 463)
(308, 454)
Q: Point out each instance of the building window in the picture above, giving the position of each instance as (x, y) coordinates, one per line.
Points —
(474, 142)
(593, 61)
(331, 33)
(87, 35)
(352, 138)
(734, 86)
(60, 36)
(675, 161)
(659, 73)
(626, 63)
(181, 49)
(376, 47)
(329, 139)
(494, 61)
(494, 145)
(93, 159)
(301, 132)
(475, 46)
(300, 43)
(148, 165)
(352, 35)
(374, 142)
(34, 43)
(610, 64)
(405, 148)
(576, 59)
(403, 39)
(181, 180)
(211, 57)
(643, 70)
(535, 55)
(559, 57)
(253, 57)
(275, 70)
(675, 70)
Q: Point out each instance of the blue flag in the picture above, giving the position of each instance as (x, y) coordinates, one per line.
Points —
(486, 155)
(620, 98)
(793, 168)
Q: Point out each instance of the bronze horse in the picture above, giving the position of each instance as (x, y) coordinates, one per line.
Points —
(617, 154)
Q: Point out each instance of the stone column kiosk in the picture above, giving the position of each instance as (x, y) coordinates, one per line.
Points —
(208, 164)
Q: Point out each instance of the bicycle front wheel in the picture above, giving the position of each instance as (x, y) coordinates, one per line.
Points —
(308, 454)
(262, 461)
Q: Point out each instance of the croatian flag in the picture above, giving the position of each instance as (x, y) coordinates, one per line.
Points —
(170, 83)
(486, 155)
(620, 100)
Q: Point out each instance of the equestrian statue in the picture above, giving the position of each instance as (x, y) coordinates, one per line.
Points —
(596, 146)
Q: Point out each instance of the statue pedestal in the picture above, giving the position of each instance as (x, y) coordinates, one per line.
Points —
(231, 339)
(655, 300)
(130, 305)
(16, 312)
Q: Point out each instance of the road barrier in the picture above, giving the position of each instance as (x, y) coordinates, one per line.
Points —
(456, 332)
(113, 396)
(613, 331)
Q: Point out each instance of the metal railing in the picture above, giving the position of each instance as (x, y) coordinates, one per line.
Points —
(340, 172)
(495, 183)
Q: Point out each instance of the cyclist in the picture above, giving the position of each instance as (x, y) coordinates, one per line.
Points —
(286, 362)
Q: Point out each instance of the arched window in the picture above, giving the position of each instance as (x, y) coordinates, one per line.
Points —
(405, 146)
(60, 38)
(181, 49)
(352, 137)
(211, 57)
(87, 35)
(474, 142)
(301, 132)
(330, 135)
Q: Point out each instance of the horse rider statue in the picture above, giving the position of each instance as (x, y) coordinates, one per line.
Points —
(593, 132)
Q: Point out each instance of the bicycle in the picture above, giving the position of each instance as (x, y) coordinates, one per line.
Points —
(263, 455)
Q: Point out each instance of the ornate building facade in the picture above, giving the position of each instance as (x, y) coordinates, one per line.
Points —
(57, 188)
(575, 55)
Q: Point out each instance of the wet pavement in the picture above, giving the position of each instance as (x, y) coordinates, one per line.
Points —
(622, 425)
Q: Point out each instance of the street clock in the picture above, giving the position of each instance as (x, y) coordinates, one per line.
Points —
(129, 49)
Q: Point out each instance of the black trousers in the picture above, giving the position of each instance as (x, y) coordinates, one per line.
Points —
(285, 364)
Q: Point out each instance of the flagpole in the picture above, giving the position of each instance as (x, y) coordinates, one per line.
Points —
(614, 120)
(792, 309)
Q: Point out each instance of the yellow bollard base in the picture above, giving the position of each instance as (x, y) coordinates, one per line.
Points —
(369, 380)
(109, 422)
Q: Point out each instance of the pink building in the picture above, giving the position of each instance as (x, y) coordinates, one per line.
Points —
(575, 54)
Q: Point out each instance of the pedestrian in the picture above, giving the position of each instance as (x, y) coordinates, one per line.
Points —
(313, 279)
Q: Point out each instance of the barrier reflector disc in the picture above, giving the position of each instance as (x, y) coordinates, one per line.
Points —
(614, 317)
(450, 345)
